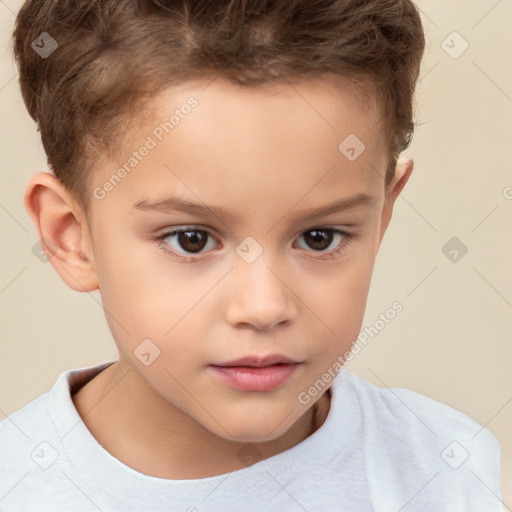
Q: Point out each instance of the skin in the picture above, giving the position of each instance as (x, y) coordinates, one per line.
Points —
(267, 155)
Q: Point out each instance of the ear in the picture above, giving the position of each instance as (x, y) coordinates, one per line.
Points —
(403, 172)
(63, 230)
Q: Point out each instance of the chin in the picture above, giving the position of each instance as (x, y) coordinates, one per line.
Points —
(254, 431)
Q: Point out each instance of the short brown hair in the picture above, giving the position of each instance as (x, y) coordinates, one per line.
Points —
(113, 55)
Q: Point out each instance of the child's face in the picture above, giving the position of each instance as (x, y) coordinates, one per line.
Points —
(260, 282)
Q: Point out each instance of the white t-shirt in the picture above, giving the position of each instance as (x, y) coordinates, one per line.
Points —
(385, 450)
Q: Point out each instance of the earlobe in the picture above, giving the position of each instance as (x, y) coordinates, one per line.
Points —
(63, 230)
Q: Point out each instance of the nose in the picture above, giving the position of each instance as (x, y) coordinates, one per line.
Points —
(260, 296)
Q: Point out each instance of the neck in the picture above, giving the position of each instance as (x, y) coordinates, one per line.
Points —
(142, 430)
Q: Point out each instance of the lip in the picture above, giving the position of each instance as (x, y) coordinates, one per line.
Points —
(258, 361)
(255, 378)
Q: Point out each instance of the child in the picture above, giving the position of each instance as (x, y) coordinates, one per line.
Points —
(224, 172)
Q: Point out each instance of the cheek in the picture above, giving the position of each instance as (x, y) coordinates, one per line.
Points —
(338, 299)
(147, 297)
(137, 277)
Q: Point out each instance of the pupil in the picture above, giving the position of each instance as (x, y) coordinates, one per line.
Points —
(319, 238)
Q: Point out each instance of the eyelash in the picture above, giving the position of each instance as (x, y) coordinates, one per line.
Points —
(160, 241)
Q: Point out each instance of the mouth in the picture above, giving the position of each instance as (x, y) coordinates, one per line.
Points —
(258, 361)
(256, 374)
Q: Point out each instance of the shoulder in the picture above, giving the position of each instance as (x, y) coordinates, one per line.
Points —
(416, 418)
(28, 444)
(21, 425)
(405, 407)
(408, 436)
(35, 431)
(38, 459)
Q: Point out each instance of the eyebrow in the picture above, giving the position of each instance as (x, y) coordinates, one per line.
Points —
(175, 204)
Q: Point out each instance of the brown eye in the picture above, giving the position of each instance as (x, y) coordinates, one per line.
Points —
(192, 240)
(319, 239)
(185, 241)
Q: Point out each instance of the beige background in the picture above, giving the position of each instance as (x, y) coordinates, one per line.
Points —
(452, 339)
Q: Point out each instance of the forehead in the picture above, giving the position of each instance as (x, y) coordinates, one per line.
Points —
(283, 139)
(328, 104)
